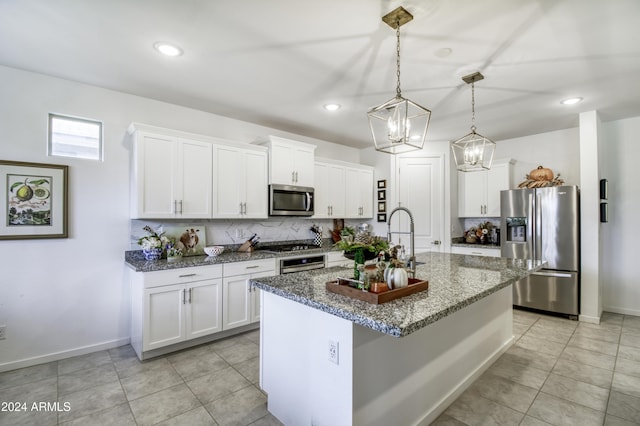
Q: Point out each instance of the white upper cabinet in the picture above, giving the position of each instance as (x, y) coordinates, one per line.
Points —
(330, 191)
(171, 176)
(479, 192)
(359, 193)
(240, 182)
(183, 175)
(290, 162)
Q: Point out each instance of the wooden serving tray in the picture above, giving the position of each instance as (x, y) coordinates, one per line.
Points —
(415, 286)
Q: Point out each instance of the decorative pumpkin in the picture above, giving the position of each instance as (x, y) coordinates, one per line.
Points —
(541, 173)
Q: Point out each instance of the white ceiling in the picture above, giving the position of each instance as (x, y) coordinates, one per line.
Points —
(276, 62)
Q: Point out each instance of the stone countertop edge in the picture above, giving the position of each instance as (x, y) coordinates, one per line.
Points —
(448, 291)
(136, 261)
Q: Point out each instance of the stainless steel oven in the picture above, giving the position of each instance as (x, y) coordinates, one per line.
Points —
(301, 263)
(287, 200)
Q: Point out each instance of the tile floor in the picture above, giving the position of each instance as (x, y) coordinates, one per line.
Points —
(559, 372)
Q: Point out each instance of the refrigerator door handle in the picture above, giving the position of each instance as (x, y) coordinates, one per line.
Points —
(553, 274)
(532, 226)
(538, 221)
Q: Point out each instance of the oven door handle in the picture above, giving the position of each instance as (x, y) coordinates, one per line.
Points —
(308, 267)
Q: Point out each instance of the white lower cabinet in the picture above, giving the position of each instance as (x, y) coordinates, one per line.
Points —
(174, 306)
(336, 258)
(480, 251)
(240, 301)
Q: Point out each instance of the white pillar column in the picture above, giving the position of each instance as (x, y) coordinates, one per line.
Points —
(590, 299)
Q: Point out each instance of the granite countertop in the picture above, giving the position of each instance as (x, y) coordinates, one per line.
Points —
(136, 261)
(455, 281)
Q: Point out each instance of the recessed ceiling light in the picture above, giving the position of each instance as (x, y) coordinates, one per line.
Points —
(443, 52)
(332, 107)
(571, 101)
(167, 48)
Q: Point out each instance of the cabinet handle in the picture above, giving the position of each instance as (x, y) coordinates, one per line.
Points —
(293, 177)
(180, 202)
(245, 207)
(189, 296)
(186, 275)
(175, 206)
(252, 267)
(240, 208)
(184, 296)
(331, 210)
(296, 177)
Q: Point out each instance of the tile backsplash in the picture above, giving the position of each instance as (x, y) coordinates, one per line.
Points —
(230, 232)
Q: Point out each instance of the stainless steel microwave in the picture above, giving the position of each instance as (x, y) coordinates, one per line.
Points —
(286, 200)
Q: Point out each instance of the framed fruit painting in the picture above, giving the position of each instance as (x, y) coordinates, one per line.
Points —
(33, 200)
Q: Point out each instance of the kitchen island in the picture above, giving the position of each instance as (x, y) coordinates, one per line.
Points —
(327, 359)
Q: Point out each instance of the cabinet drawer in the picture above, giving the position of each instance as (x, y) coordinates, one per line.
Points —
(181, 275)
(249, 267)
(491, 252)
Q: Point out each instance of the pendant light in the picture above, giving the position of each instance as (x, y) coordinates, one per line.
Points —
(473, 151)
(398, 125)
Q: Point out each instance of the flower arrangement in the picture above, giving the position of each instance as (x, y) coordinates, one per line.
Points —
(153, 240)
(172, 251)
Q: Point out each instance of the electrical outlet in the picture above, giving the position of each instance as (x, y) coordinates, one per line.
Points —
(333, 351)
(239, 233)
(3, 332)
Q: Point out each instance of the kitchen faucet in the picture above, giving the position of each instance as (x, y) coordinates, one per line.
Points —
(412, 259)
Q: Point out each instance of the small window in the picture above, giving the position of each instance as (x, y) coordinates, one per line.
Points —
(75, 137)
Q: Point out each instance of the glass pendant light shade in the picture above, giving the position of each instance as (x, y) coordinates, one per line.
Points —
(398, 125)
(473, 152)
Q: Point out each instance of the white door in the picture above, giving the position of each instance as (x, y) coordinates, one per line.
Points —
(204, 312)
(163, 316)
(420, 189)
(195, 165)
(156, 176)
(236, 304)
(229, 187)
(255, 184)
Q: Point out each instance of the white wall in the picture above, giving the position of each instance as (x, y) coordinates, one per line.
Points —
(67, 296)
(558, 151)
(619, 237)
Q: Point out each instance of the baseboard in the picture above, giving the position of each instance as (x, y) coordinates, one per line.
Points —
(56, 356)
(623, 311)
(589, 319)
(447, 400)
(198, 341)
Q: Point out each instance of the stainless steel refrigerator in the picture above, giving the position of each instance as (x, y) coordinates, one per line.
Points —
(544, 224)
